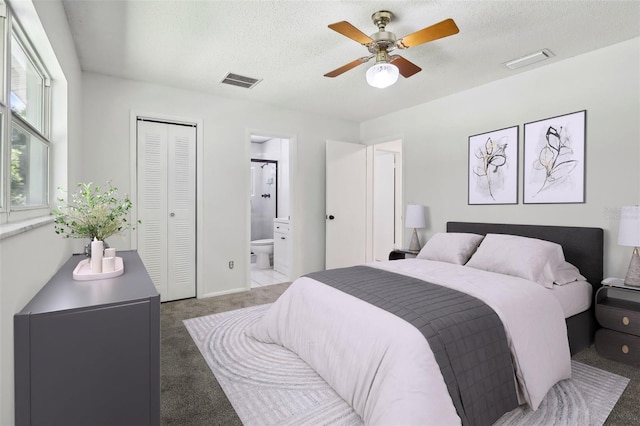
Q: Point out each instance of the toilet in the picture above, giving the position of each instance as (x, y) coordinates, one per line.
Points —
(263, 249)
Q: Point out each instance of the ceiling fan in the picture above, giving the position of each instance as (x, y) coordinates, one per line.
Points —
(387, 67)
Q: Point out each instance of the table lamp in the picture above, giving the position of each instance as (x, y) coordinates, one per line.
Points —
(415, 218)
(629, 235)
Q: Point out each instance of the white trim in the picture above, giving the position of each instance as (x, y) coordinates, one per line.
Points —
(221, 293)
(369, 210)
(133, 188)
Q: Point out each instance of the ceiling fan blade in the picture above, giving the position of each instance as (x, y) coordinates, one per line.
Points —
(347, 67)
(434, 32)
(406, 68)
(348, 30)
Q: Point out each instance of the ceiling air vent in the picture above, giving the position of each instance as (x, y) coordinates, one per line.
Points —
(530, 59)
(240, 80)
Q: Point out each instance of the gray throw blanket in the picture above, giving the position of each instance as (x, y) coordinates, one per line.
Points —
(466, 336)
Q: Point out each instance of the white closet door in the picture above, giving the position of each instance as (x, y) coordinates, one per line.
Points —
(166, 206)
(152, 201)
(182, 214)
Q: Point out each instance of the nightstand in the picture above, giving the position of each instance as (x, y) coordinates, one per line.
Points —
(618, 312)
(402, 254)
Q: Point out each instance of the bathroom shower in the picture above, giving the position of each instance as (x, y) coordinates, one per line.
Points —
(264, 197)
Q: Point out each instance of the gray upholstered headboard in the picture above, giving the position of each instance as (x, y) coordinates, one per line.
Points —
(583, 247)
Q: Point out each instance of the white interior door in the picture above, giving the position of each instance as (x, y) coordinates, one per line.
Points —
(384, 204)
(346, 186)
(167, 206)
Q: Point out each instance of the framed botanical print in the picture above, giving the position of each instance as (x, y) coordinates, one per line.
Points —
(493, 167)
(554, 159)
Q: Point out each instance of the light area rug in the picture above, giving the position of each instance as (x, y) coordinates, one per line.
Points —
(270, 385)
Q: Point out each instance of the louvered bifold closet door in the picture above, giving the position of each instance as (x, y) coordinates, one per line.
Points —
(152, 201)
(182, 215)
(166, 206)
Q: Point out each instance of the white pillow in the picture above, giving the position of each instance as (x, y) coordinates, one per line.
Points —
(451, 247)
(528, 258)
(567, 273)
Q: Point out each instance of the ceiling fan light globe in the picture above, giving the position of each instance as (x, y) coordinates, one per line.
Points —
(382, 75)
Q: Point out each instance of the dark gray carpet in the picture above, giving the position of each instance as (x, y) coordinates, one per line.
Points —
(192, 396)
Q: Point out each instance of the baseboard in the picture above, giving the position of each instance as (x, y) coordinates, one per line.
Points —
(222, 293)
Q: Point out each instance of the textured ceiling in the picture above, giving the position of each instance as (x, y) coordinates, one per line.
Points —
(194, 44)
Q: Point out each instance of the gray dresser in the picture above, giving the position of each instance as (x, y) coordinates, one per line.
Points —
(88, 352)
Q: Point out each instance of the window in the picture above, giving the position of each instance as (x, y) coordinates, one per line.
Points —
(29, 168)
(27, 86)
(24, 125)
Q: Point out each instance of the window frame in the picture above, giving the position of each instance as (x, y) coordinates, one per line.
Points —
(5, 151)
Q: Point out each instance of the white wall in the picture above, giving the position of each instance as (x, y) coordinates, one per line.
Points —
(28, 260)
(435, 141)
(107, 103)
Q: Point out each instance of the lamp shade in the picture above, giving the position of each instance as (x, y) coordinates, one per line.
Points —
(414, 218)
(382, 75)
(629, 231)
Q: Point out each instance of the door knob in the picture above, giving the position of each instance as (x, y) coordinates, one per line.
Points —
(172, 214)
(331, 217)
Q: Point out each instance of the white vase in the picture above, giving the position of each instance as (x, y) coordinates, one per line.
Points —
(87, 248)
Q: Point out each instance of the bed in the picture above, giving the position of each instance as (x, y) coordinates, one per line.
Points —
(582, 246)
(376, 345)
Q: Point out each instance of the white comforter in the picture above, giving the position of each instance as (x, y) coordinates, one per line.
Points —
(384, 367)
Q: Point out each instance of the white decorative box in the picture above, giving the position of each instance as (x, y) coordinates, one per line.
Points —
(82, 272)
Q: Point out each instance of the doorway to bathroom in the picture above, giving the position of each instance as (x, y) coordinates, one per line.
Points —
(269, 199)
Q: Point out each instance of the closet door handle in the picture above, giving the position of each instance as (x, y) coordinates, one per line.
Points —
(172, 214)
